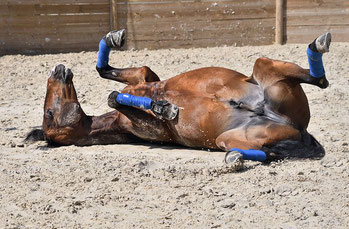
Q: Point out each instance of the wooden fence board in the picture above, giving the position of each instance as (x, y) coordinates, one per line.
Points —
(36, 10)
(200, 27)
(57, 20)
(306, 34)
(50, 2)
(180, 10)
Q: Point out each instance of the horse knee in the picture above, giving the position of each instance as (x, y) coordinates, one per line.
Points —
(149, 75)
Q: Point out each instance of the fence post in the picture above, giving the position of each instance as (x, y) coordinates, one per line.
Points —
(113, 15)
(279, 24)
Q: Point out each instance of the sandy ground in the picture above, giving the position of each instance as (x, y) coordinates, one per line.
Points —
(159, 186)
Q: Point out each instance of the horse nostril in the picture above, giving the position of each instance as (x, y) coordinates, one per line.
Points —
(76, 106)
(49, 113)
(68, 75)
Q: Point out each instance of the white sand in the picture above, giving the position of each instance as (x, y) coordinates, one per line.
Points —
(158, 186)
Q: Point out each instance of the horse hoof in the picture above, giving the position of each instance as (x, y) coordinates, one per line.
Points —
(323, 42)
(112, 100)
(233, 157)
(164, 110)
(116, 38)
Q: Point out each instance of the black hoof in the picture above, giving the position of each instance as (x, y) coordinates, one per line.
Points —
(112, 100)
(323, 43)
(116, 38)
(164, 110)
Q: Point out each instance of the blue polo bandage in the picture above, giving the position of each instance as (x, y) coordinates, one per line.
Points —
(103, 54)
(315, 63)
(251, 154)
(131, 100)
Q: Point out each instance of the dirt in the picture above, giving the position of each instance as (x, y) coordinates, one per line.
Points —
(161, 186)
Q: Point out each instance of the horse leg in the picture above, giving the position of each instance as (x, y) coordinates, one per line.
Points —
(251, 142)
(161, 109)
(141, 123)
(315, 51)
(131, 76)
(280, 82)
(266, 72)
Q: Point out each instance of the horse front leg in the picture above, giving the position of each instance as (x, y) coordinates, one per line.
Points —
(141, 122)
(131, 76)
(162, 109)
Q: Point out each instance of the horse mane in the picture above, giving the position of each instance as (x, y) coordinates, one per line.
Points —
(35, 135)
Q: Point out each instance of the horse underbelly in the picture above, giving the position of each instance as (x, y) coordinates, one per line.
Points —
(200, 122)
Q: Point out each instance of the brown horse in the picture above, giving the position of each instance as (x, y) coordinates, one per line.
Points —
(263, 117)
(218, 108)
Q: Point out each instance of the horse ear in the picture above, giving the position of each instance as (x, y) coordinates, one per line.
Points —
(35, 135)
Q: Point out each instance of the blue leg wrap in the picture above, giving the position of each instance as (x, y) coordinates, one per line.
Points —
(315, 63)
(251, 154)
(103, 54)
(131, 100)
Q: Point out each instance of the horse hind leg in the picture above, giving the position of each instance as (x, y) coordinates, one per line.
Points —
(253, 143)
(268, 72)
(130, 76)
(315, 51)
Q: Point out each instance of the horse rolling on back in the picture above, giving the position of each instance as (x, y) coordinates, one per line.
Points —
(263, 117)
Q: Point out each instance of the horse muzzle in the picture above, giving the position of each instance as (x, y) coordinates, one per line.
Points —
(61, 73)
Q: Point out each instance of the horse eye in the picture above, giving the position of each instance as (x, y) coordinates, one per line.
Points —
(49, 113)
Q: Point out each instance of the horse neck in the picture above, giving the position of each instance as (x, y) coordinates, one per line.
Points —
(105, 129)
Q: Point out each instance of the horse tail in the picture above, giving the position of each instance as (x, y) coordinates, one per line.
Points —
(35, 135)
(308, 147)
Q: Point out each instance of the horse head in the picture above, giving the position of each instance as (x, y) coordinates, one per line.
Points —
(64, 119)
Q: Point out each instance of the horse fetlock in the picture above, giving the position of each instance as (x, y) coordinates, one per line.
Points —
(321, 82)
(164, 110)
(112, 100)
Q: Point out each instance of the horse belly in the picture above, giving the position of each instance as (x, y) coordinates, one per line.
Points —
(200, 121)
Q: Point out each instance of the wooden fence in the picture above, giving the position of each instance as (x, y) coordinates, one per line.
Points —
(305, 19)
(51, 26)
